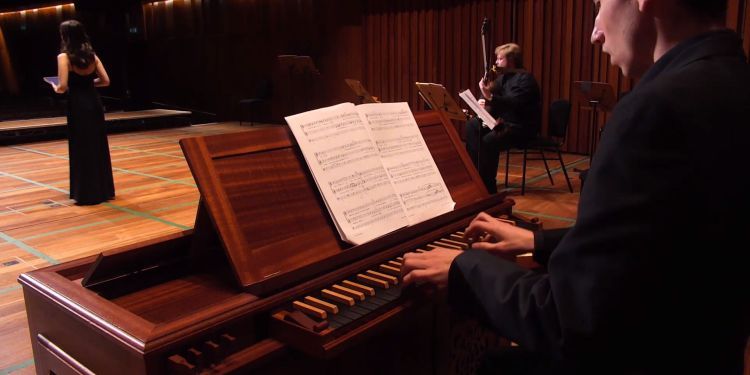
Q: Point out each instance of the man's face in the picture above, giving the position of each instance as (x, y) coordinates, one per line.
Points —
(625, 34)
(501, 61)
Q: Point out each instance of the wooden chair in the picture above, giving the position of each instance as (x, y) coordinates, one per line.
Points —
(262, 95)
(559, 117)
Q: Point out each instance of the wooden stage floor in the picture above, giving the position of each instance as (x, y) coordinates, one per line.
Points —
(155, 196)
(36, 123)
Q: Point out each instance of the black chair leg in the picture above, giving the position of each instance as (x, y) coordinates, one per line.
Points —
(546, 167)
(565, 172)
(507, 164)
(523, 178)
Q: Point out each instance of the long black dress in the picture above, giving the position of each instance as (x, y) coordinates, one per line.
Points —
(91, 179)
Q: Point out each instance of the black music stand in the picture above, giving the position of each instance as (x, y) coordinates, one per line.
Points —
(599, 95)
(298, 69)
(437, 98)
(362, 94)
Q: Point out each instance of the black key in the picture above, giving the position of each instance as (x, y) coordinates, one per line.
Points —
(349, 314)
(359, 310)
(379, 301)
(367, 304)
(339, 320)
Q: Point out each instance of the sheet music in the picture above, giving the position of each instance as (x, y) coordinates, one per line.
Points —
(52, 80)
(350, 175)
(485, 116)
(407, 159)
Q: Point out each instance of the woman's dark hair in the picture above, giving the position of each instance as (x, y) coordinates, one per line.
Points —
(76, 44)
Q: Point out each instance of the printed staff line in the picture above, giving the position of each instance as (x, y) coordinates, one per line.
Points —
(25, 247)
(16, 367)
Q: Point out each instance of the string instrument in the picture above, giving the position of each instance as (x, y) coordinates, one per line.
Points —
(488, 71)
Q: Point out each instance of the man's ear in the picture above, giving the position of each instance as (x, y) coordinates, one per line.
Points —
(649, 6)
(644, 5)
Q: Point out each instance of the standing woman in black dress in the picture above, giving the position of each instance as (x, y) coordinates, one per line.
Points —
(80, 71)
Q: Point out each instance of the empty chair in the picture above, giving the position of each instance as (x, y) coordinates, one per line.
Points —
(262, 94)
(559, 116)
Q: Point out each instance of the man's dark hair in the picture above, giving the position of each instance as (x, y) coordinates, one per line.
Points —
(714, 9)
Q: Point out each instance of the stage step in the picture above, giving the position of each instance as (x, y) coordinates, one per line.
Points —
(46, 128)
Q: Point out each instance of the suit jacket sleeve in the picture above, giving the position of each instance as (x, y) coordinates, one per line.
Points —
(601, 268)
(545, 241)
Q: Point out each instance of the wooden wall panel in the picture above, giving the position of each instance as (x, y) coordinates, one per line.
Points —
(444, 37)
(207, 54)
(29, 44)
(554, 35)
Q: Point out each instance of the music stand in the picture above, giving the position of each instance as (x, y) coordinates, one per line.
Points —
(599, 95)
(305, 65)
(297, 68)
(286, 62)
(362, 94)
(438, 99)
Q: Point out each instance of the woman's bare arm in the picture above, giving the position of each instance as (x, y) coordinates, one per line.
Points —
(103, 79)
(63, 66)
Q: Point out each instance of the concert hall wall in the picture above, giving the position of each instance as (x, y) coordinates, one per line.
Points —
(212, 47)
(439, 41)
(206, 55)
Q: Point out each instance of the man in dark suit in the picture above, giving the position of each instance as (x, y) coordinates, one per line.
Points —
(652, 278)
(513, 97)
